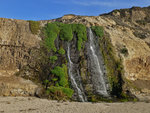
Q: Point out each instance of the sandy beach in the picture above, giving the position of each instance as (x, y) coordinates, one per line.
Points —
(36, 105)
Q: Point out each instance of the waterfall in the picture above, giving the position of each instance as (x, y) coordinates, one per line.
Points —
(96, 67)
(74, 77)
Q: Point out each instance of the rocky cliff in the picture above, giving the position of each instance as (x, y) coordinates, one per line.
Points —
(127, 29)
(16, 44)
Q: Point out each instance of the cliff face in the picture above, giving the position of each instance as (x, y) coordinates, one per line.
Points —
(16, 44)
(128, 30)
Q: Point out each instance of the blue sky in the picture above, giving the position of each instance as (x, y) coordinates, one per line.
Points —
(49, 9)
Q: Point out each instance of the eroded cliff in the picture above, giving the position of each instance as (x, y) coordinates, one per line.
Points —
(16, 44)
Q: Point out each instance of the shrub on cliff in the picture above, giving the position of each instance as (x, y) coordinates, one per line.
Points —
(61, 51)
(124, 51)
(53, 59)
(98, 30)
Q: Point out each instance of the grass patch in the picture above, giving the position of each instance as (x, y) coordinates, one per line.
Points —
(34, 27)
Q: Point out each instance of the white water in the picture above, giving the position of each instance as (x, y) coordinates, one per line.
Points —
(100, 84)
(73, 81)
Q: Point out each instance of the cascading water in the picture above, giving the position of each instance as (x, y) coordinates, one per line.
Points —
(74, 76)
(96, 67)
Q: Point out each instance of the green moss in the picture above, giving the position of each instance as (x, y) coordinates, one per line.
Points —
(61, 51)
(51, 32)
(66, 32)
(65, 69)
(54, 79)
(98, 30)
(34, 26)
(53, 59)
(79, 44)
(62, 74)
(80, 31)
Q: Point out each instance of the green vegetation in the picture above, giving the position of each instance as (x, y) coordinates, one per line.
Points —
(60, 92)
(60, 88)
(34, 26)
(53, 59)
(63, 76)
(98, 30)
(51, 32)
(80, 31)
(61, 51)
(56, 80)
(97, 98)
(66, 32)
